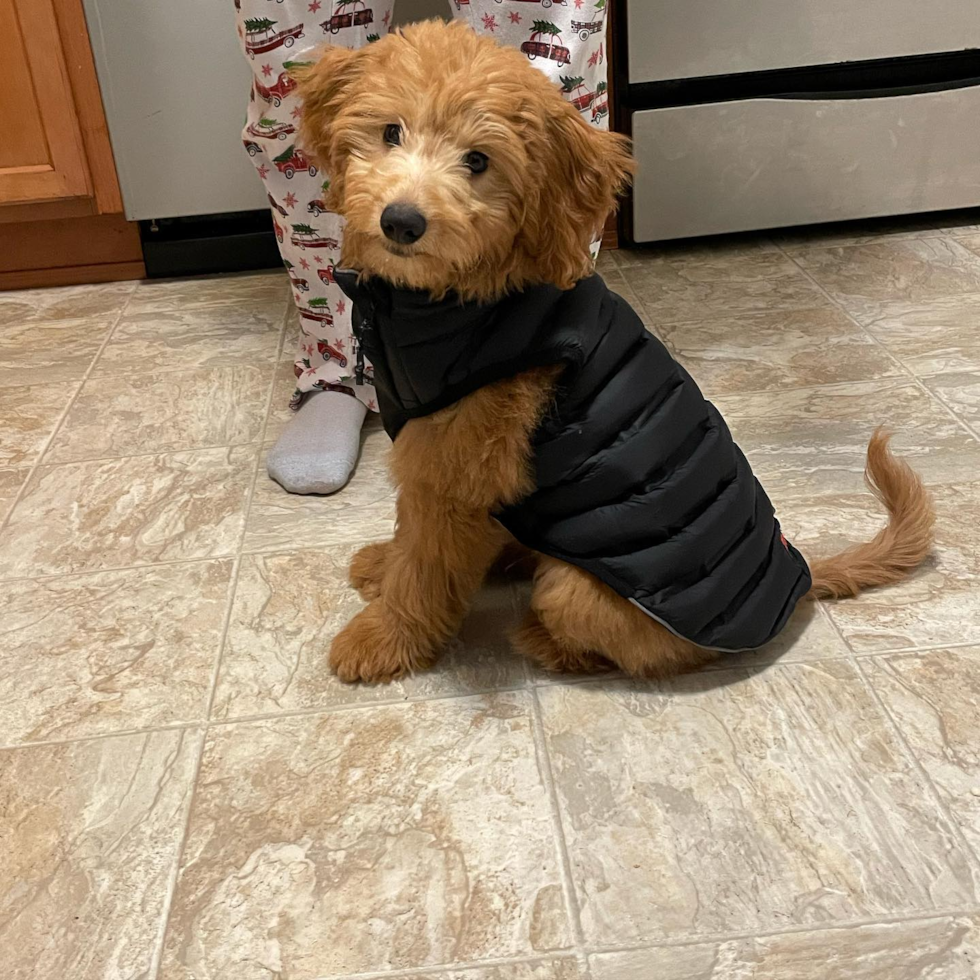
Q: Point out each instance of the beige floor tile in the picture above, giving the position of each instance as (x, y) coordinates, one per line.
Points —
(49, 353)
(618, 283)
(108, 651)
(606, 262)
(188, 339)
(102, 300)
(131, 511)
(961, 392)
(11, 480)
(938, 604)
(969, 237)
(363, 840)
(90, 837)
(922, 949)
(265, 292)
(966, 228)
(363, 511)
(289, 607)
(865, 279)
(934, 698)
(765, 351)
(814, 440)
(565, 968)
(732, 802)
(931, 336)
(767, 793)
(29, 415)
(166, 411)
(699, 283)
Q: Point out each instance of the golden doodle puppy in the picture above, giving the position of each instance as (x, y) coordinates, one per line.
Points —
(527, 402)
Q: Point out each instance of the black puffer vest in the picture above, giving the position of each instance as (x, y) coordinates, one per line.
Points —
(638, 479)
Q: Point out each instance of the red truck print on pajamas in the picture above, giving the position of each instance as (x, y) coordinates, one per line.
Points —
(270, 129)
(306, 236)
(349, 13)
(282, 86)
(536, 48)
(291, 161)
(327, 352)
(260, 36)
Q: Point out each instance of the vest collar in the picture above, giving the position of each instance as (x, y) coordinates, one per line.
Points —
(428, 353)
(419, 317)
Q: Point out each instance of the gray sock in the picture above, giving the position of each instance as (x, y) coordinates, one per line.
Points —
(318, 450)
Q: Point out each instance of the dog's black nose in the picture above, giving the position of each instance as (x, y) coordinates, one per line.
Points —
(402, 223)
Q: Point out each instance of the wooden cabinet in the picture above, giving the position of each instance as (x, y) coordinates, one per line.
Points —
(41, 155)
(60, 208)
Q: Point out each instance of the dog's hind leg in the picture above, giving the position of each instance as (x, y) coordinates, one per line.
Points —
(538, 643)
(578, 623)
(367, 568)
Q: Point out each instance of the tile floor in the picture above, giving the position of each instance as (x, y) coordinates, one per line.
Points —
(186, 793)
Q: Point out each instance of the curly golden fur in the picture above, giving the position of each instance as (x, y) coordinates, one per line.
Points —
(528, 218)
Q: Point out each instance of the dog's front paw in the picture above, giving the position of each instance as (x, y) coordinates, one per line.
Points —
(367, 568)
(371, 648)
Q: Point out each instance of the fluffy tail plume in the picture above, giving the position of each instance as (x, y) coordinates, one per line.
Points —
(895, 550)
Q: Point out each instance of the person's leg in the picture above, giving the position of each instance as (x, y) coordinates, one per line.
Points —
(318, 449)
(575, 35)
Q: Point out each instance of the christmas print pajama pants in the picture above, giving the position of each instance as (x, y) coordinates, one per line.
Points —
(275, 34)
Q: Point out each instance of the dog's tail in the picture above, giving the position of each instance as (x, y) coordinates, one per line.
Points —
(895, 550)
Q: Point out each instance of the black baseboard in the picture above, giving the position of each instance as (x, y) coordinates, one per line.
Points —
(201, 244)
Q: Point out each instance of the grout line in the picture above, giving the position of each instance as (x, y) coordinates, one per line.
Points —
(223, 556)
(247, 509)
(888, 651)
(158, 452)
(101, 736)
(329, 709)
(71, 401)
(931, 789)
(236, 569)
(838, 926)
(333, 709)
(216, 670)
(171, 887)
(227, 556)
(253, 360)
(547, 775)
(429, 971)
(875, 383)
(939, 398)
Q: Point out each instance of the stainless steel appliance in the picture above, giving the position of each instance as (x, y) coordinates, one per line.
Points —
(771, 113)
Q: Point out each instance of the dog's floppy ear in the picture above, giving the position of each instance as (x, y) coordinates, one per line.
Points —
(582, 171)
(324, 87)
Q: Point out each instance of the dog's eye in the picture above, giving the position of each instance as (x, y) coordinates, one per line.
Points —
(476, 161)
(393, 134)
